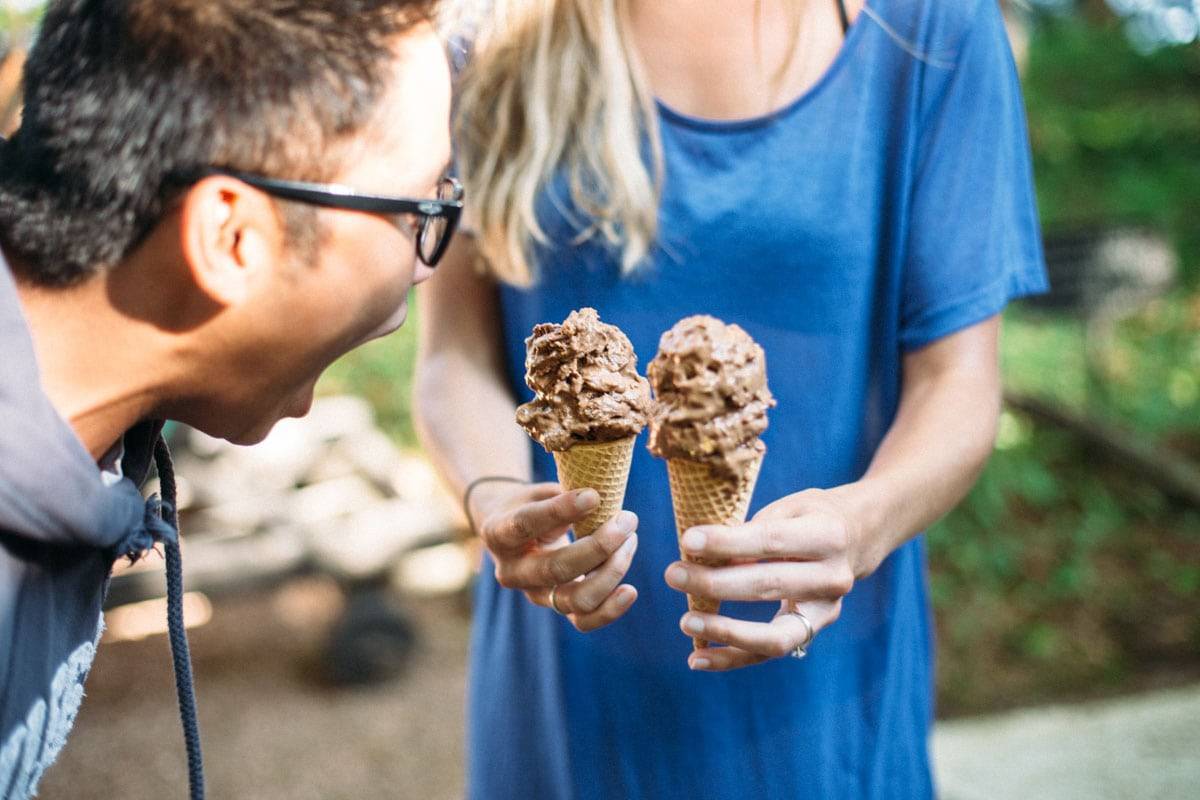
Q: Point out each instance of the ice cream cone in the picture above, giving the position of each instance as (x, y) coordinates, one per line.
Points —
(603, 467)
(702, 498)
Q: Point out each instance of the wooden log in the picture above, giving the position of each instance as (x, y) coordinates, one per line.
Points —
(1177, 477)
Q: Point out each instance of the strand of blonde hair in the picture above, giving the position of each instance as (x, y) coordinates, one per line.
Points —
(556, 86)
(551, 85)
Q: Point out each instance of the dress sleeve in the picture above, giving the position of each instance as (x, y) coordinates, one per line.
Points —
(973, 241)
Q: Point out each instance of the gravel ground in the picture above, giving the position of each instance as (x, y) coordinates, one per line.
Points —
(271, 729)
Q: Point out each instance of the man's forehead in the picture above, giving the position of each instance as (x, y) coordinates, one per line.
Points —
(407, 140)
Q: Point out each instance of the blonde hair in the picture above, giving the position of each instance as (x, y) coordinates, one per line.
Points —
(556, 85)
(553, 84)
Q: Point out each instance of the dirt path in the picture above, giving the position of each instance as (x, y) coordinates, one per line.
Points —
(271, 730)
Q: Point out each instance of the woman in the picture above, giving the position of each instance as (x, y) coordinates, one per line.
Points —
(851, 185)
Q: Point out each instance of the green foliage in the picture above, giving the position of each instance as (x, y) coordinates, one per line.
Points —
(381, 372)
(1146, 378)
(1061, 573)
(19, 19)
(1116, 134)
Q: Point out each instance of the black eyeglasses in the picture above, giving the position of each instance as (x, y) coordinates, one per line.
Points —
(437, 218)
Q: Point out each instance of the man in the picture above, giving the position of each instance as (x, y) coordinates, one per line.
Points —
(208, 201)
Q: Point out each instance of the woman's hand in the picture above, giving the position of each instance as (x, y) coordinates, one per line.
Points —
(800, 550)
(809, 547)
(525, 530)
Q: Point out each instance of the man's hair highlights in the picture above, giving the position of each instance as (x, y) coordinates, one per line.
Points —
(122, 96)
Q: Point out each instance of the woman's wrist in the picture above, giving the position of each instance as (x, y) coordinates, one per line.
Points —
(484, 495)
(870, 526)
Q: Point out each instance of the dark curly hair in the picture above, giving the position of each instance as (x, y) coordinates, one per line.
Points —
(123, 96)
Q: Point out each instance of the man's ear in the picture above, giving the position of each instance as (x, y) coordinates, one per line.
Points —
(231, 236)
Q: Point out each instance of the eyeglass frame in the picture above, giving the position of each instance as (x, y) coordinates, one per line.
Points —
(332, 195)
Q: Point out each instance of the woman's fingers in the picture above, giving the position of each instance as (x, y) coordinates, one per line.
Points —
(587, 595)
(810, 537)
(613, 608)
(773, 639)
(491, 496)
(541, 569)
(542, 491)
(771, 580)
(538, 520)
(609, 611)
(753, 642)
(604, 557)
(599, 598)
(723, 659)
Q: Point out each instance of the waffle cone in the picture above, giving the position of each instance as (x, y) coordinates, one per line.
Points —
(603, 467)
(701, 498)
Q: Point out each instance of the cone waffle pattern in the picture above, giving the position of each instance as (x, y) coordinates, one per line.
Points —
(603, 467)
(702, 499)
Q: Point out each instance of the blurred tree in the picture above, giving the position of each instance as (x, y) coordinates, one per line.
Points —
(1065, 573)
(17, 19)
(1149, 24)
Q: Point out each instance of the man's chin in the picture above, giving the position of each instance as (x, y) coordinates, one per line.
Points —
(297, 407)
(391, 325)
(250, 437)
(301, 405)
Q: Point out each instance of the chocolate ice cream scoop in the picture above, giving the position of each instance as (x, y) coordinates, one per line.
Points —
(584, 375)
(711, 395)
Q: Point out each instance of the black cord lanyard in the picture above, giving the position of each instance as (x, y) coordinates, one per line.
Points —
(841, 7)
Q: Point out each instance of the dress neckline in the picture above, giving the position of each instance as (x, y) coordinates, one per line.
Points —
(853, 36)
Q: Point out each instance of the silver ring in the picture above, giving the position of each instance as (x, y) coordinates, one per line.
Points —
(802, 649)
(554, 601)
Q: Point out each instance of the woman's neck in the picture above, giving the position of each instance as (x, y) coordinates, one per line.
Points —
(706, 60)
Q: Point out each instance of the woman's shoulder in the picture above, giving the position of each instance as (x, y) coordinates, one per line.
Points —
(934, 29)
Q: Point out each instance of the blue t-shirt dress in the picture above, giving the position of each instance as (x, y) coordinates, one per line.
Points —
(890, 205)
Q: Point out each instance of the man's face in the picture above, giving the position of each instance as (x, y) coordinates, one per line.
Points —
(306, 315)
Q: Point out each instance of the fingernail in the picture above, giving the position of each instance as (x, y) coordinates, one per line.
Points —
(677, 576)
(699, 663)
(630, 544)
(626, 598)
(694, 540)
(587, 500)
(693, 625)
(626, 521)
